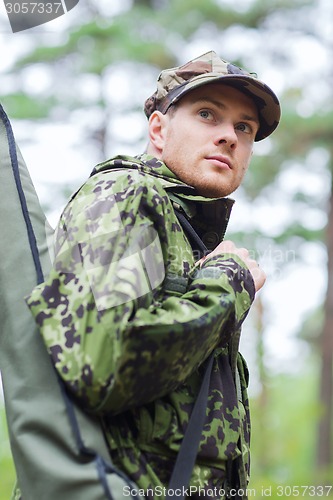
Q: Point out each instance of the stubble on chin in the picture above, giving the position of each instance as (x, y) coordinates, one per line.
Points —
(212, 188)
(213, 192)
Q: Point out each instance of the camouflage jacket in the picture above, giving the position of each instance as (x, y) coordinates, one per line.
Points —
(129, 317)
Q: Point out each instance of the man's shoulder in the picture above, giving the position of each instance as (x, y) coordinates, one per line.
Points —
(117, 195)
(145, 164)
(117, 185)
(143, 169)
(122, 162)
(124, 174)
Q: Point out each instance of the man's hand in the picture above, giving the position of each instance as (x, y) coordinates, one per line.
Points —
(258, 275)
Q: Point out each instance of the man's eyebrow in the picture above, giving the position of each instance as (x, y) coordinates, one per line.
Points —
(220, 105)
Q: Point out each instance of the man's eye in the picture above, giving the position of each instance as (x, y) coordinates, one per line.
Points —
(207, 115)
(244, 127)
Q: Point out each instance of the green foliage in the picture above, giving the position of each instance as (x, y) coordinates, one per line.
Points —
(262, 173)
(6, 462)
(284, 422)
(147, 33)
(312, 328)
(23, 106)
(297, 135)
(92, 48)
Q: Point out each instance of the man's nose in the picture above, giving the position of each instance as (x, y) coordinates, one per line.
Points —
(226, 134)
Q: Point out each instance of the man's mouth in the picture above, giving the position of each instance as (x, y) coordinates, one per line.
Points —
(220, 161)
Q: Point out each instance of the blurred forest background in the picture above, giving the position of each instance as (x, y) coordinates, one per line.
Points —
(74, 90)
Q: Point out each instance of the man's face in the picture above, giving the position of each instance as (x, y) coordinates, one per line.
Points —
(207, 141)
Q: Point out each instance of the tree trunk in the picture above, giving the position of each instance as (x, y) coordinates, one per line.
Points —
(324, 451)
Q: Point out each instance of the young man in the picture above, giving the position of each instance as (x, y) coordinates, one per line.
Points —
(133, 309)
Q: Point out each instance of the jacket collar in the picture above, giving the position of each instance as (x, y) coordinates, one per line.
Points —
(208, 216)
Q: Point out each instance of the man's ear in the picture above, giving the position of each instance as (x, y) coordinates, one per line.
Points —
(158, 124)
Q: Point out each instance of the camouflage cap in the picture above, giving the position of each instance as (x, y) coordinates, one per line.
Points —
(174, 83)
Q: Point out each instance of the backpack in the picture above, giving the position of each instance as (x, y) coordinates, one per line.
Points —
(58, 450)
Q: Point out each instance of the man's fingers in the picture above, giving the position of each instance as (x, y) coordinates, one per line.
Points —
(257, 273)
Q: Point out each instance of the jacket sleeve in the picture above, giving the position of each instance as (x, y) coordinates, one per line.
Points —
(117, 338)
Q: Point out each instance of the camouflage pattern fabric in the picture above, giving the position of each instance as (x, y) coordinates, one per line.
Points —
(129, 318)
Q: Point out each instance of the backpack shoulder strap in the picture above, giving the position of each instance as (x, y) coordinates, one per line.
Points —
(187, 454)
